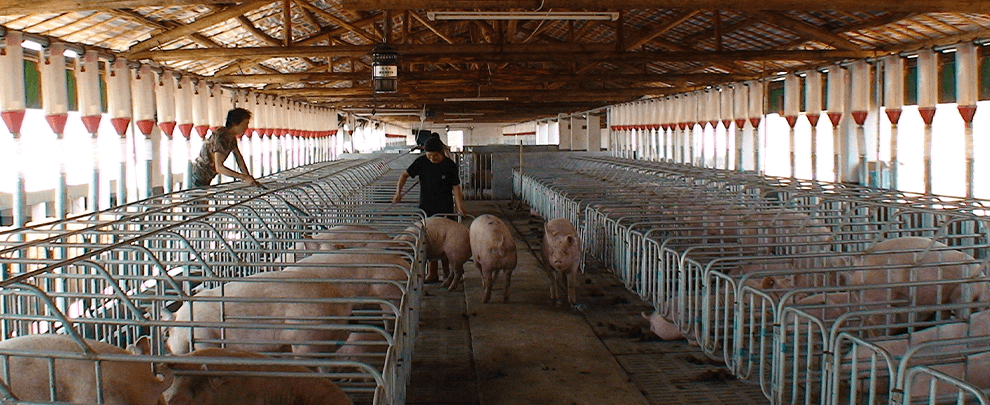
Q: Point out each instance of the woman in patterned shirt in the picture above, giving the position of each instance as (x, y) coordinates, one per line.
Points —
(218, 147)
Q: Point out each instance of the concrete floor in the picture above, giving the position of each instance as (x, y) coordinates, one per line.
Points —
(529, 351)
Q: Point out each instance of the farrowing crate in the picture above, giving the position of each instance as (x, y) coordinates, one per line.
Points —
(111, 276)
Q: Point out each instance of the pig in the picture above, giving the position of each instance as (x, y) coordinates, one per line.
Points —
(450, 242)
(663, 328)
(347, 264)
(221, 389)
(561, 251)
(923, 256)
(341, 237)
(123, 382)
(361, 346)
(494, 250)
(180, 341)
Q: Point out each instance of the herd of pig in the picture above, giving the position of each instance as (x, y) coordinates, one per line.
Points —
(915, 273)
(64, 368)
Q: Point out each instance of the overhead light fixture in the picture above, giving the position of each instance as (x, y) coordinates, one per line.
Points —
(463, 113)
(476, 99)
(459, 119)
(523, 15)
(384, 69)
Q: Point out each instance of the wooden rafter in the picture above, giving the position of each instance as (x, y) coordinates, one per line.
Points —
(426, 23)
(498, 53)
(164, 26)
(201, 23)
(349, 26)
(929, 6)
(806, 30)
(661, 29)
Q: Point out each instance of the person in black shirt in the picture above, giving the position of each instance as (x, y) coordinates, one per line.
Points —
(439, 186)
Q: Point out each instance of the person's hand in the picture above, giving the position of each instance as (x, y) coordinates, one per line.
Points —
(396, 199)
(460, 211)
(252, 181)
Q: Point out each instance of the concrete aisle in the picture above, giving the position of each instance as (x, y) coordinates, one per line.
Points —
(529, 351)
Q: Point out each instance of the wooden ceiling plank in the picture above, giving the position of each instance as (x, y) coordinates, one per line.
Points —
(661, 29)
(874, 22)
(70, 26)
(807, 30)
(349, 26)
(949, 40)
(743, 5)
(201, 23)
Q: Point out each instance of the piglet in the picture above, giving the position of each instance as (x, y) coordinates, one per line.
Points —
(561, 257)
(494, 250)
(123, 382)
(219, 387)
(663, 328)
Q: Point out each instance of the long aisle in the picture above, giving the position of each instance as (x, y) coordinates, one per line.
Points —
(530, 351)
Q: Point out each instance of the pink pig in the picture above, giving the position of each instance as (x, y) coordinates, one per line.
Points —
(494, 250)
(221, 389)
(123, 382)
(561, 257)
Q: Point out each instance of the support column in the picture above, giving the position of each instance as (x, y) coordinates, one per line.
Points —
(119, 106)
(836, 107)
(756, 104)
(143, 96)
(740, 109)
(12, 106)
(860, 88)
(967, 77)
(893, 71)
(55, 102)
(726, 115)
(594, 133)
(566, 139)
(792, 108)
(927, 99)
(579, 133)
(813, 111)
(91, 110)
(165, 105)
(184, 120)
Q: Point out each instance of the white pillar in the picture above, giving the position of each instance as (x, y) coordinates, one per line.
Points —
(91, 111)
(813, 111)
(836, 109)
(927, 99)
(967, 78)
(565, 132)
(893, 100)
(119, 106)
(579, 133)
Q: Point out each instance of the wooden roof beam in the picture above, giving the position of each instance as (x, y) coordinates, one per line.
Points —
(194, 27)
(806, 30)
(925, 6)
(661, 29)
(140, 19)
(499, 53)
(426, 23)
(349, 26)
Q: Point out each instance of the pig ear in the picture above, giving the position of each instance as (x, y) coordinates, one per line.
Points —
(311, 245)
(141, 347)
(767, 282)
(570, 239)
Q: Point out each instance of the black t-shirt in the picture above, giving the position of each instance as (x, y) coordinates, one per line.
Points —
(436, 182)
